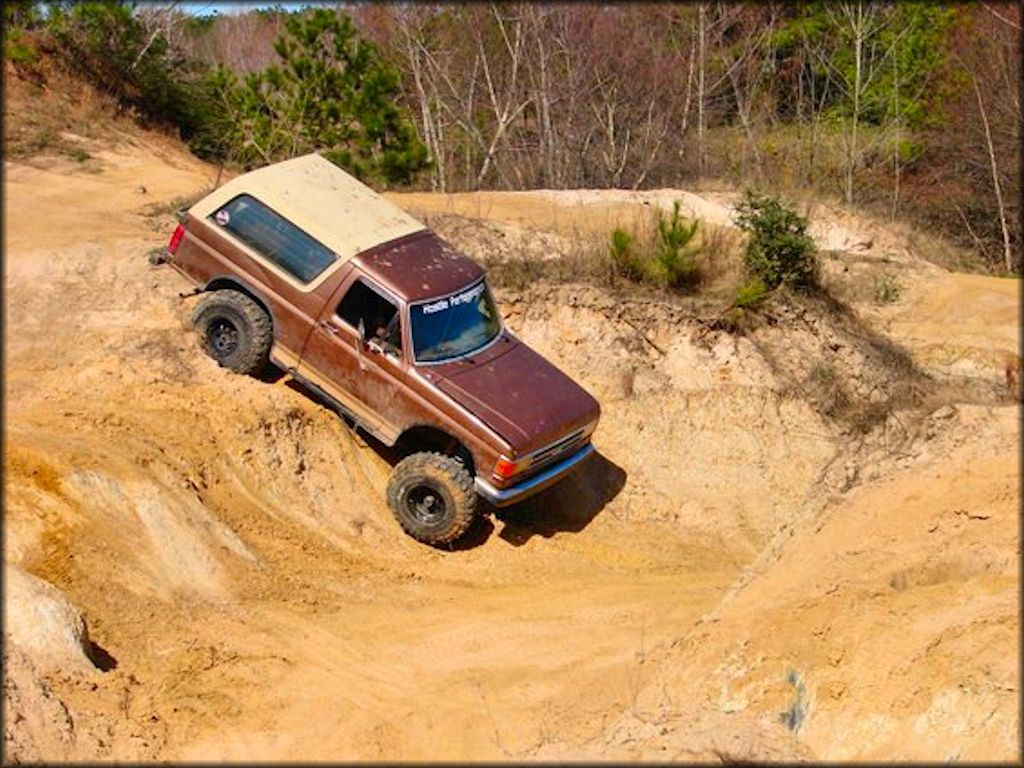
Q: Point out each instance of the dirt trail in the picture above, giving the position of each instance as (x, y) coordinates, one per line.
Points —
(247, 593)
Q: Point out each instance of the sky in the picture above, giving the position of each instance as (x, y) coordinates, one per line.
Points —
(224, 7)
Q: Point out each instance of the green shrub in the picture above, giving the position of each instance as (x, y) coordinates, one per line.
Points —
(779, 249)
(665, 258)
(106, 44)
(77, 154)
(751, 294)
(625, 262)
(887, 289)
(677, 261)
(19, 16)
(18, 50)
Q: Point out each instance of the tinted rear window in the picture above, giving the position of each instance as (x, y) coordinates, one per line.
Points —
(274, 237)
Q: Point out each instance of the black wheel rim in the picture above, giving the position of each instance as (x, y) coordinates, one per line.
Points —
(222, 336)
(425, 504)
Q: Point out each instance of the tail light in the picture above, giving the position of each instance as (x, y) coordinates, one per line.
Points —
(179, 233)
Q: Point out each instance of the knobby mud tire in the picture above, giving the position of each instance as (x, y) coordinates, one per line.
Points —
(235, 331)
(421, 476)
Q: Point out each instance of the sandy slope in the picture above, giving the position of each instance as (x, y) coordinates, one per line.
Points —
(247, 593)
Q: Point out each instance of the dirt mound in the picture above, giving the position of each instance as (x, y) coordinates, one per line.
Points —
(39, 727)
(889, 618)
(42, 624)
(247, 593)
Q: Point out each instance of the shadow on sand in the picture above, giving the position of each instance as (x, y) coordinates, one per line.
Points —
(567, 506)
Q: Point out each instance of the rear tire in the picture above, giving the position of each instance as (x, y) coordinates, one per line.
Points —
(432, 497)
(235, 331)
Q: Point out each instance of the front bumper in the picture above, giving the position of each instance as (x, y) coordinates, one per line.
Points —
(506, 496)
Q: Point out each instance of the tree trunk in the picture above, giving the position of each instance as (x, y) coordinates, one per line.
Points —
(744, 111)
(702, 156)
(1007, 252)
(858, 51)
(896, 143)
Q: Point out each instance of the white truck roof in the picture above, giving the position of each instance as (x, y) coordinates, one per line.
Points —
(321, 199)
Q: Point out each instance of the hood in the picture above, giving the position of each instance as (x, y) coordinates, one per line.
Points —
(517, 393)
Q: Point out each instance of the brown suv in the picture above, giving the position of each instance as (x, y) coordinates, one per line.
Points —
(304, 267)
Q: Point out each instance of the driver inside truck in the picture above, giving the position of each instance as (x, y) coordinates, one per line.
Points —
(385, 330)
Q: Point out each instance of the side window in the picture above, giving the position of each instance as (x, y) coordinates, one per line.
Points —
(380, 318)
(275, 237)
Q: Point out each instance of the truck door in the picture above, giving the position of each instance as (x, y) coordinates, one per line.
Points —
(355, 354)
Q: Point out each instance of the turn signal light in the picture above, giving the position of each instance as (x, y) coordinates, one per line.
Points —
(176, 239)
(506, 468)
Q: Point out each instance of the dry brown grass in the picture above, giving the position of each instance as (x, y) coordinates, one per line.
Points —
(48, 112)
(583, 255)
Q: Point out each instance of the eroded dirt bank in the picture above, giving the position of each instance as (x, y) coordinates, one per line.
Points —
(750, 568)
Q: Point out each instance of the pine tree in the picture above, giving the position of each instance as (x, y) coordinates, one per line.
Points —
(332, 93)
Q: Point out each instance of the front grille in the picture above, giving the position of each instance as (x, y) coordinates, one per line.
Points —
(550, 452)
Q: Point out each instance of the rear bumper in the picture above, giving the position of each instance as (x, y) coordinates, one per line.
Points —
(506, 496)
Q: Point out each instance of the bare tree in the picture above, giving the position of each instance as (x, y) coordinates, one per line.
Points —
(410, 22)
(158, 21)
(541, 67)
(702, 59)
(1007, 251)
(860, 21)
(505, 95)
(743, 64)
(242, 42)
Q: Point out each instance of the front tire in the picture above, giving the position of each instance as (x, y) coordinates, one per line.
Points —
(235, 331)
(432, 497)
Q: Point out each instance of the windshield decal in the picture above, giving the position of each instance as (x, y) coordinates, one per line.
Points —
(460, 298)
(452, 326)
(437, 306)
(467, 296)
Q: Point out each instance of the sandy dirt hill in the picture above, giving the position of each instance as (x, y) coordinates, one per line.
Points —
(202, 566)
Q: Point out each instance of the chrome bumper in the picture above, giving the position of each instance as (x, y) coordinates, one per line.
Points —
(507, 496)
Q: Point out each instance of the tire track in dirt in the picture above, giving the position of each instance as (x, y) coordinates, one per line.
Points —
(227, 541)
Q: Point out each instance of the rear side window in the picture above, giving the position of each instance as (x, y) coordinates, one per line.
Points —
(274, 237)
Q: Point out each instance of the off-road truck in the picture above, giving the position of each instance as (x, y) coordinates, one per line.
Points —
(301, 266)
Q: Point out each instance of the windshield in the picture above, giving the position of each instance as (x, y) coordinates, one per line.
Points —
(454, 325)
